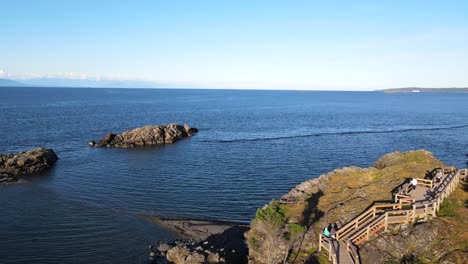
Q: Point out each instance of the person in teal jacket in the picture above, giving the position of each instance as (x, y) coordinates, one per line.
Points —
(326, 232)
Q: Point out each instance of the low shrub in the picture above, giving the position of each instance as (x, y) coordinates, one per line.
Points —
(273, 214)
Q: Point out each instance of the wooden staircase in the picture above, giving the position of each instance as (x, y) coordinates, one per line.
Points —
(379, 216)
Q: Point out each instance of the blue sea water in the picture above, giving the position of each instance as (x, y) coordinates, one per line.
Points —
(252, 146)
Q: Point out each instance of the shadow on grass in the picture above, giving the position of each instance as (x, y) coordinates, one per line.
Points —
(312, 214)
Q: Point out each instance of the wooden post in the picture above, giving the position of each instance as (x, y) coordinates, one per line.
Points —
(367, 233)
(320, 242)
(425, 212)
(414, 213)
(373, 214)
(329, 250)
(386, 220)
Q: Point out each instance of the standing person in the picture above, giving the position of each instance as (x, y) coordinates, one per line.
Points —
(326, 232)
(332, 232)
(438, 177)
(414, 182)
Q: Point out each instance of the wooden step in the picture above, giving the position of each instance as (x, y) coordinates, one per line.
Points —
(376, 225)
(363, 239)
(365, 224)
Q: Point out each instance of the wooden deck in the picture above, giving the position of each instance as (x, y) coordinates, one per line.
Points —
(409, 205)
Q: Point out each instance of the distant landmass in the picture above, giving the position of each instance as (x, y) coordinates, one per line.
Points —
(89, 83)
(99, 83)
(424, 90)
(6, 82)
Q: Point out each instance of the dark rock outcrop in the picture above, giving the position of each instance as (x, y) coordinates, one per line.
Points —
(226, 247)
(203, 241)
(147, 135)
(14, 165)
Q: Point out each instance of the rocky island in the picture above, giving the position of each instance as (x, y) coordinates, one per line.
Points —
(147, 135)
(15, 165)
(287, 230)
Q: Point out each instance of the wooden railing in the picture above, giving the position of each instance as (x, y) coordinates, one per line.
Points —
(353, 252)
(407, 189)
(380, 216)
(425, 182)
(463, 174)
(364, 218)
(327, 244)
(364, 233)
(404, 199)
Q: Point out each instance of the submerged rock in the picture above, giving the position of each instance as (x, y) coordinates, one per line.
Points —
(14, 165)
(147, 135)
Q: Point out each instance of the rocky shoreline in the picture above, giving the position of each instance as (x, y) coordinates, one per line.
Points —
(201, 241)
(286, 231)
(15, 165)
(147, 135)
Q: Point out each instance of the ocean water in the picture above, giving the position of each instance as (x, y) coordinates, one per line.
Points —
(252, 146)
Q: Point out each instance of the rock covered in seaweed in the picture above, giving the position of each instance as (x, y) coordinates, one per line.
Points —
(14, 165)
(147, 135)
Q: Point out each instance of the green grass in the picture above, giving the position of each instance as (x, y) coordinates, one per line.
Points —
(296, 229)
(447, 208)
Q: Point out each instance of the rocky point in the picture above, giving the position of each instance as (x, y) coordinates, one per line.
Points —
(147, 135)
(15, 165)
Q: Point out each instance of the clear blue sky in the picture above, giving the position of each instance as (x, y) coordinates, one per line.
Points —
(344, 45)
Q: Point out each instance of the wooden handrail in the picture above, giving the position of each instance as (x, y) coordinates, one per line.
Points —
(387, 213)
(386, 205)
(407, 200)
(401, 198)
(353, 252)
(327, 244)
(399, 212)
(344, 230)
(425, 182)
(366, 230)
(334, 253)
(364, 217)
(408, 189)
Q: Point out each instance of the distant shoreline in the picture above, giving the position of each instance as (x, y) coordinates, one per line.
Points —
(424, 90)
(391, 90)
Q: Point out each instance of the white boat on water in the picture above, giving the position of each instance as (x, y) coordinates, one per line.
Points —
(415, 91)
